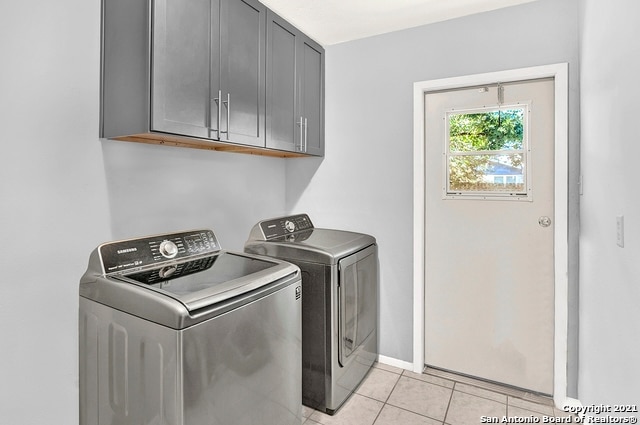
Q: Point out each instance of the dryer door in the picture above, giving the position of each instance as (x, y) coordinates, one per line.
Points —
(357, 297)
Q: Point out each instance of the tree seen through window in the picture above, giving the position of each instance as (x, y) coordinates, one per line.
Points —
(486, 151)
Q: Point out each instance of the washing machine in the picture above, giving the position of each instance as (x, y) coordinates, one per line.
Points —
(175, 330)
(339, 303)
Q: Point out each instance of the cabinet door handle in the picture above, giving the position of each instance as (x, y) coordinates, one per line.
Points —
(301, 125)
(211, 128)
(306, 134)
(219, 114)
(227, 103)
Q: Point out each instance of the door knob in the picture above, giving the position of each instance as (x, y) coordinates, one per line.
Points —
(544, 221)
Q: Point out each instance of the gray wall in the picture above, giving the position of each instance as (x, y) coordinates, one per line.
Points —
(609, 275)
(53, 203)
(152, 189)
(366, 180)
(63, 192)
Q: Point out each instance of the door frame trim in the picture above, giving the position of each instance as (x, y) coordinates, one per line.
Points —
(560, 73)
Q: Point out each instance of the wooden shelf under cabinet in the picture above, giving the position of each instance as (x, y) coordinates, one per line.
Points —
(178, 141)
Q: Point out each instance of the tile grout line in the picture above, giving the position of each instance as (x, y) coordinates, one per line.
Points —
(453, 384)
(446, 413)
(394, 387)
(384, 403)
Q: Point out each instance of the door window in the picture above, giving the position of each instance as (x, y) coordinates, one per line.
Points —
(486, 153)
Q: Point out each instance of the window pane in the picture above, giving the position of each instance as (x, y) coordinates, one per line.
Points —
(486, 131)
(487, 173)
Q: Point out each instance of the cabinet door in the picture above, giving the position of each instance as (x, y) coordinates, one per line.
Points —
(180, 94)
(282, 108)
(242, 71)
(311, 83)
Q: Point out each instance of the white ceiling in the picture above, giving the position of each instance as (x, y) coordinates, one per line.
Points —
(336, 21)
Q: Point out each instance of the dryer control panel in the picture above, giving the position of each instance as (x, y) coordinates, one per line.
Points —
(131, 254)
(283, 226)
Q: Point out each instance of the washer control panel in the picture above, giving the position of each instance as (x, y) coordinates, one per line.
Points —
(283, 226)
(131, 254)
(157, 275)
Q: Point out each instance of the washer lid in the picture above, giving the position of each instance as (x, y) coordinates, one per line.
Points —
(209, 280)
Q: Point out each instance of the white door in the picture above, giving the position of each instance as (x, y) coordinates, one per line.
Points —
(489, 260)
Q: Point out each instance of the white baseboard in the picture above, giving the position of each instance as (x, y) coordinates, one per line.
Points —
(395, 362)
(570, 403)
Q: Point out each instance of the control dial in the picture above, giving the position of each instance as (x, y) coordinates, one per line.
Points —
(290, 226)
(167, 271)
(168, 249)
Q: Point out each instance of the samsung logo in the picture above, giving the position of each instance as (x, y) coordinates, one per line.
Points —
(127, 250)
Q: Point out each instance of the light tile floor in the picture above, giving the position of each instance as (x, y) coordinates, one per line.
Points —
(393, 396)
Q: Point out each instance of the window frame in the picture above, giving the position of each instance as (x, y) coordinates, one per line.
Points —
(525, 151)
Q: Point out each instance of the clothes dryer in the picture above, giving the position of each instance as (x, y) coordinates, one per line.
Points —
(339, 303)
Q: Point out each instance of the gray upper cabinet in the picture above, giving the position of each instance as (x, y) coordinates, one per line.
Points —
(213, 74)
(311, 83)
(282, 104)
(208, 69)
(295, 89)
(242, 71)
(180, 68)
